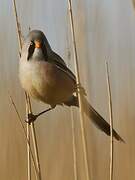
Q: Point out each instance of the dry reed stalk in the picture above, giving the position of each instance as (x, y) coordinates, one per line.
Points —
(111, 121)
(20, 40)
(28, 154)
(34, 138)
(28, 109)
(79, 93)
(25, 133)
(36, 149)
(20, 47)
(28, 137)
(74, 146)
(73, 134)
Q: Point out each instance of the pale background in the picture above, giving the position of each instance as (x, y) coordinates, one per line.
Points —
(105, 30)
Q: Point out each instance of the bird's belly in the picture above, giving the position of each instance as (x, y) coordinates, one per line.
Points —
(45, 82)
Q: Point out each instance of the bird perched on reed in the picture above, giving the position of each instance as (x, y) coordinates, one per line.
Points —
(45, 76)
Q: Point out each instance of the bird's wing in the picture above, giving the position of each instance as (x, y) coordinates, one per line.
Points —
(59, 62)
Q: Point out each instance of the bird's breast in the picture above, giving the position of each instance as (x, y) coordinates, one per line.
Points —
(46, 82)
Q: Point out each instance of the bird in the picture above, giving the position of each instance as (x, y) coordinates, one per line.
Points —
(45, 77)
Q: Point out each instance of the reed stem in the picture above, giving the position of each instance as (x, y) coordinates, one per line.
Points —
(74, 146)
(79, 93)
(111, 121)
(28, 109)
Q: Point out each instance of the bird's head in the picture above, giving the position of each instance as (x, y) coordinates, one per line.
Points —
(37, 46)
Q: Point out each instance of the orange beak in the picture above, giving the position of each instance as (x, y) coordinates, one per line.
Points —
(37, 44)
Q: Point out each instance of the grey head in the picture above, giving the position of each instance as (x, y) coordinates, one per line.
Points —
(37, 45)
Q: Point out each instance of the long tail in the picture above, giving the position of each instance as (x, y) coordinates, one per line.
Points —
(96, 118)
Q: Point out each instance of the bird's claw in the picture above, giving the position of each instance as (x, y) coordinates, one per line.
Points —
(79, 89)
(31, 118)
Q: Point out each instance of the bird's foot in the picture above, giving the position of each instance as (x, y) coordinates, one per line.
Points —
(31, 118)
(80, 89)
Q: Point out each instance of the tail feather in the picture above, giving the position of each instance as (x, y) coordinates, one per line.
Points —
(99, 121)
(96, 118)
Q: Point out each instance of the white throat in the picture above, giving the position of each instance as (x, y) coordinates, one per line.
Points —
(38, 54)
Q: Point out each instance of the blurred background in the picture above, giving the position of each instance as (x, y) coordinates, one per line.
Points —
(105, 31)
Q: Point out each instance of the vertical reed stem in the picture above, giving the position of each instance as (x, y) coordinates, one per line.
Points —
(25, 133)
(111, 121)
(19, 33)
(28, 109)
(79, 92)
(74, 146)
(36, 149)
(34, 139)
(20, 47)
(28, 154)
(28, 137)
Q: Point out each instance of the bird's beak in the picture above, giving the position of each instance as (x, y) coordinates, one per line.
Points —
(37, 44)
